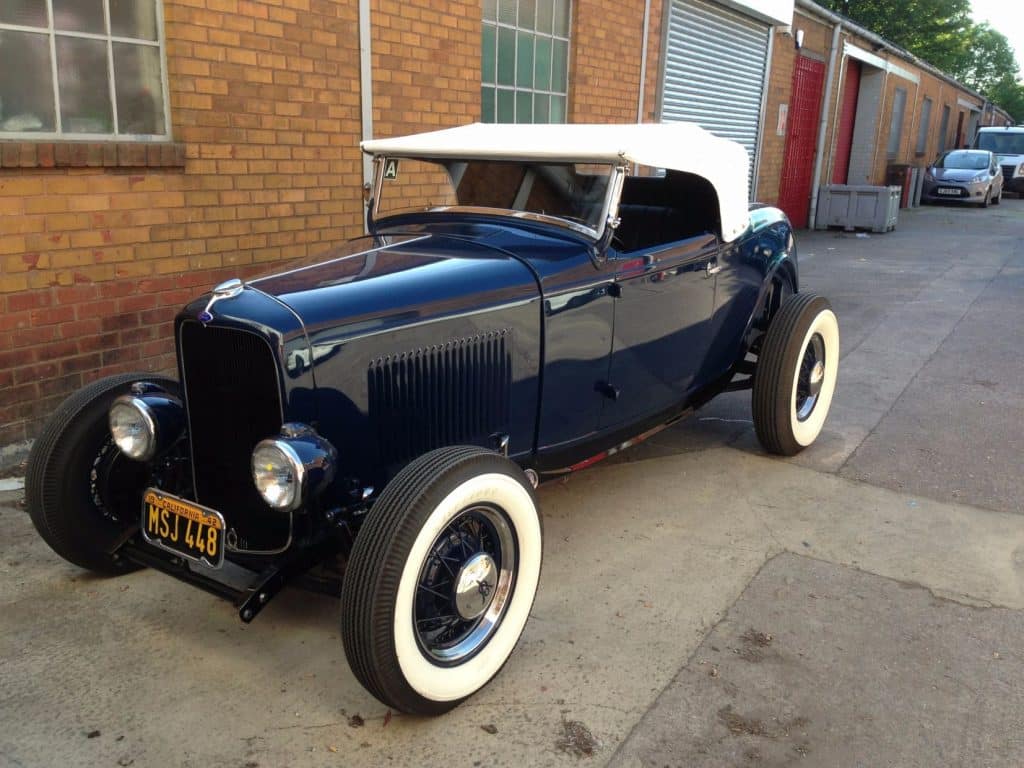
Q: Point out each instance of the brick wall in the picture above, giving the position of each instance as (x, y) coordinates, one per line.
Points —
(98, 253)
(604, 67)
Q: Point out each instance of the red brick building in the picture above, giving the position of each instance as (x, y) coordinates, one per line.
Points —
(149, 150)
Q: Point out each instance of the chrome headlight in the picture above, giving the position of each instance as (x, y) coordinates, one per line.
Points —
(287, 469)
(133, 427)
(979, 177)
(278, 474)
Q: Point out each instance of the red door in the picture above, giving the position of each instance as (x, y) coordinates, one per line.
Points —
(798, 160)
(847, 117)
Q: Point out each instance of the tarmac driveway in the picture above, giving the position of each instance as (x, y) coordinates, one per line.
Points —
(700, 602)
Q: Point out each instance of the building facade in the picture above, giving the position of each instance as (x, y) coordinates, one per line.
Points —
(149, 150)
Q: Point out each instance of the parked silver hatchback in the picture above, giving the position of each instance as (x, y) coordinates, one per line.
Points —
(966, 176)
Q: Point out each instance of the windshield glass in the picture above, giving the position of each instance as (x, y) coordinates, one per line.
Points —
(571, 192)
(963, 160)
(1002, 143)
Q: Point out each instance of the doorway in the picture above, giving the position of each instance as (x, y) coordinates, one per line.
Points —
(798, 158)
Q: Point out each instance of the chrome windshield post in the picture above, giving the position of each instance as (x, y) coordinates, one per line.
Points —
(610, 214)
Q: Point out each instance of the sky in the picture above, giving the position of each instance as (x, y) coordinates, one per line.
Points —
(1007, 16)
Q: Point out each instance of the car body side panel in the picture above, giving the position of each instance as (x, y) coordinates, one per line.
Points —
(743, 284)
(662, 327)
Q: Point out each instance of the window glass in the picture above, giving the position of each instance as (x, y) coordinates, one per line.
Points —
(79, 16)
(922, 131)
(899, 103)
(84, 83)
(573, 193)
(137, 81)
(488, 52)
(525, 60)
(109, 64)
(133, 18)
(26, 83)
(506, 56)
(25, 13)
(944, 129)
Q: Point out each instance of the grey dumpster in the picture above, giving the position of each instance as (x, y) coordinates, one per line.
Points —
(858, 207)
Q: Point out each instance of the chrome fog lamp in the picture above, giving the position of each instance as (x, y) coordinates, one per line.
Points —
(290, 468)
(133, 427)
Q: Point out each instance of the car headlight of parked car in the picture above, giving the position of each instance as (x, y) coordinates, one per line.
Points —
(978, 177)
(928, 176)
(148, 420)
(289, 468)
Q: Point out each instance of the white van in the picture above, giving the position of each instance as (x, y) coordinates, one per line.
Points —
(1008, 145)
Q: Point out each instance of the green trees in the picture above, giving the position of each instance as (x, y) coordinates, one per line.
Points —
(942, 33)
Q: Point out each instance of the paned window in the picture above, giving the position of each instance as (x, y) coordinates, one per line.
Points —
(922, 131)
(82, 69)
(525, 67)
(899, 104)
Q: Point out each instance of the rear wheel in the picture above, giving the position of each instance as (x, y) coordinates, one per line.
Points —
(796, 374)
(82, 494)
(441, 579)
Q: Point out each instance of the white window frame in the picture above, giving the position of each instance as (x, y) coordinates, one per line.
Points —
(109, 39)
(567, 39)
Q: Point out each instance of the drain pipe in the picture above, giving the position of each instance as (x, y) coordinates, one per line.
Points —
(823, 126)
(643, 61)
(366, 102)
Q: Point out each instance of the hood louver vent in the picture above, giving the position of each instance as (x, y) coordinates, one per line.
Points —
(449, 394)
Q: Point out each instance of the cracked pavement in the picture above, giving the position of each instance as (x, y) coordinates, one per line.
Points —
(691, 552)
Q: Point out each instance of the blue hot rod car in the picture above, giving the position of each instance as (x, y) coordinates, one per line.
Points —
(374, 423)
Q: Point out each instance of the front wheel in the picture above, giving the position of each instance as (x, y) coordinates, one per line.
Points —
(82, 494)
(441, 579)
(796, 374)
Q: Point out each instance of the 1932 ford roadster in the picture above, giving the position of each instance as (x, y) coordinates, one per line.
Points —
(530, 299)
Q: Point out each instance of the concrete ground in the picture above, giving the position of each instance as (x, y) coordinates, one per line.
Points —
(701, 603)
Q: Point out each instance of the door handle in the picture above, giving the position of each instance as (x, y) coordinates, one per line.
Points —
(712, 268)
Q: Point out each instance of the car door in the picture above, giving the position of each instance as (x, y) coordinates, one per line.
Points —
(664, 298)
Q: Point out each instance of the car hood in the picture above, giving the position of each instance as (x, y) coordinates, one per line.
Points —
(371, 285)
(953, 174)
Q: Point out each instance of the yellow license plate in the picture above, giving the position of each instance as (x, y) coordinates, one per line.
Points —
(183, 527)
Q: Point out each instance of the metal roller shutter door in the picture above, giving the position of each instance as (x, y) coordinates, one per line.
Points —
(714, 72)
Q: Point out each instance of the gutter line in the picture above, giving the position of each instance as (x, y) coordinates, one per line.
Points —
(366, 101)
(823, 124)
(643, 61)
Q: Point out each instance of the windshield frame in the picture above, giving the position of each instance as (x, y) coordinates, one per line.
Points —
(607, 218)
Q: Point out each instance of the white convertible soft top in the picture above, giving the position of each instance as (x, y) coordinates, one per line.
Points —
(676, 146)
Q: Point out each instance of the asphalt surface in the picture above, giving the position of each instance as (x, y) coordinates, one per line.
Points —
(701, 603)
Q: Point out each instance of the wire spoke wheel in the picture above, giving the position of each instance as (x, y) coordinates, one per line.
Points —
(810, 378)
(465, 584)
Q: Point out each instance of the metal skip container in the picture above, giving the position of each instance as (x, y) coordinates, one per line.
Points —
(858, 207)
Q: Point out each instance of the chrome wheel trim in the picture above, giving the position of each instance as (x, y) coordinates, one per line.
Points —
(472, 623)
(810, 377)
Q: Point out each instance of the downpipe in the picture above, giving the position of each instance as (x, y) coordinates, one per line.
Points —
(823, 124)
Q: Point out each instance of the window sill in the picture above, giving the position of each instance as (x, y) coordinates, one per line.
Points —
(91, 154)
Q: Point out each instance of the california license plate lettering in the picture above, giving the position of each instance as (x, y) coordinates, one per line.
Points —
(183, 527)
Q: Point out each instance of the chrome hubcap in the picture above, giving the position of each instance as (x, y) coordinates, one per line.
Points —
(810, 377)
(474, 586)
(465, 585)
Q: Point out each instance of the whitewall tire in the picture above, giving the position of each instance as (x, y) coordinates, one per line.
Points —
(796, 374)
(441, 579)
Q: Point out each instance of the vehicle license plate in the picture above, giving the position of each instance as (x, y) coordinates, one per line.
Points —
(948, 191)
(183, 527)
